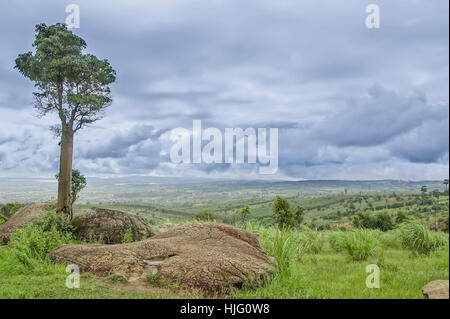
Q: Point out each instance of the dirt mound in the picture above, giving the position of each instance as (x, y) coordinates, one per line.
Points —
(24, 216)
(166, 227)
(209, 257)
(111, 226)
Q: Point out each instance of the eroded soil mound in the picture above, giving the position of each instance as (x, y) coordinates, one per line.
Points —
(24, 216)
(110, 226)
(209, 257)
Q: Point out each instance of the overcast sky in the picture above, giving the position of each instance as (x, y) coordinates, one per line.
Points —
(350, 102)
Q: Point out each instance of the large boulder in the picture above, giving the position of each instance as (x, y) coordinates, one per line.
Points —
(23, 216)
(437, 289)
(208, 257)
(110, 226)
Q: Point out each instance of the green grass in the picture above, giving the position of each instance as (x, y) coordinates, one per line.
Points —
(18, 281)
(312, 264)
(335, 272)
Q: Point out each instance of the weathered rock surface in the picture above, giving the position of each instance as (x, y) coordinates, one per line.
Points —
(166, 227)
(209, 257)
(23, 216)
(110, 226)
(437, 289)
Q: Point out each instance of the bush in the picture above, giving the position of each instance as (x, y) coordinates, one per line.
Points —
(419, 239)
(284, 215)
(445, 226)
(310, 241)
(9, 209)
(128, 237)
(359, 244)
(34, 242)
(205, 215)
(381, 220)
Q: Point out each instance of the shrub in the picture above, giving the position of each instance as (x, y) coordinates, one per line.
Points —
(419, 239)
(445, 226)
(381, 220)
(335, 241)
(34, 242)
(9, 209)
(3, 219)
(359, 244)
(310, 241)
(128, 237)
(284, 215)
(205, 215)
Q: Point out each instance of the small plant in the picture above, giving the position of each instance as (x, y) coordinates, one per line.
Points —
(420, 240)
(154, 278)
(128, 237)
(34, 242)
(117, 279)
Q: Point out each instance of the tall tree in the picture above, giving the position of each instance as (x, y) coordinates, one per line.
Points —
(72, 84)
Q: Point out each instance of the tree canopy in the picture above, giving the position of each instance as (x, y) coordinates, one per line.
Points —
(73, 84)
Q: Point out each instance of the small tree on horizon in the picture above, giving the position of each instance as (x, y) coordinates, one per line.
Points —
(69, 83)
(245, 212)
(284, 215)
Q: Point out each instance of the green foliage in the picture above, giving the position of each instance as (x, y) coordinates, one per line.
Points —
(205, 215)
(445, 227)
(400, 217)
(9, 209)
(358, 244)
(154, 278)
(33, 243)
(72, 84)
(381, 220)
(3, 219)
(128, 237)
(282, 248)
(245, 212)
(310, 241)
(78, 182)
(284, 215)
(419, 239)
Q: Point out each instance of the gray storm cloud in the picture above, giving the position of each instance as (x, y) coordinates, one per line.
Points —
(349, 102)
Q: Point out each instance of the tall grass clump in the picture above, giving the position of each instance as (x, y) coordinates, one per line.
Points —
(310, 241)
(419, 239)
(33, 243)
(278, 243)
(358, 244)
(282, 248)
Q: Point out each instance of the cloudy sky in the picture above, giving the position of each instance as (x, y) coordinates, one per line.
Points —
(349, 102)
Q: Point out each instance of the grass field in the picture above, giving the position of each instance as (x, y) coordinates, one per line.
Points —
(312, 264)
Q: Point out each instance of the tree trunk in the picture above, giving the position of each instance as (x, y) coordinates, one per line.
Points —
(65, 172)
